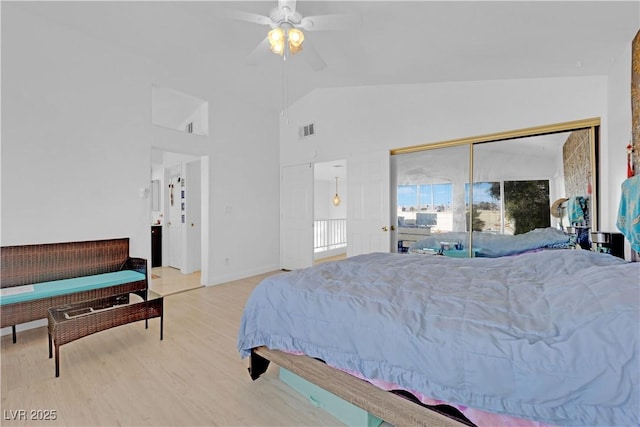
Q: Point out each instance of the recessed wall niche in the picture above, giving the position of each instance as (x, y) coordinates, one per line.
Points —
(177, 110)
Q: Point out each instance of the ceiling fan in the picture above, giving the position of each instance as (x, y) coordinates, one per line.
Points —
(286, 36)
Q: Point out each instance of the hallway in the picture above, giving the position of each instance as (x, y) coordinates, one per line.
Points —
(169, 280)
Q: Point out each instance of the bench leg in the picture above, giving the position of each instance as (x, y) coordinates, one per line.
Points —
(145, 296)
(50, 346)
(57, 360)
(161, 325)
(13, 333)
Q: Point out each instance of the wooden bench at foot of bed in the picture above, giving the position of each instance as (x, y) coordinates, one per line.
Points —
(388, 406)
(55, 274)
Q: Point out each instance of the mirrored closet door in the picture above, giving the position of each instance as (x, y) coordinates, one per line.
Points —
(507, 183)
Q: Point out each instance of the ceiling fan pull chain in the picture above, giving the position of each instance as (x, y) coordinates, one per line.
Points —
(285, 91)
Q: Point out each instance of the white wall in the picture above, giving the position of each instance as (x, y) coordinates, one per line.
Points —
(77, 139)
(614, 156)
(355, 120)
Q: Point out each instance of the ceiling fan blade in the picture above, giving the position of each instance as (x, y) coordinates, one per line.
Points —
(312, 57)
(260, 52)
(241, 15)
(328, 23)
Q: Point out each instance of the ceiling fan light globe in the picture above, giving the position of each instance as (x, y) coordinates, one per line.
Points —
(294, 49)
(296, 37)
(278, 48)
(276, 36)
(276, 40)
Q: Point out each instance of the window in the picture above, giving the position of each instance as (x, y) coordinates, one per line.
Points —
(426, 205)
(526, 206)
(407, 198)
(487, 208)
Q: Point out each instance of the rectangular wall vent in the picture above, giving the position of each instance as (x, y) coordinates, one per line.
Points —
(307, 130)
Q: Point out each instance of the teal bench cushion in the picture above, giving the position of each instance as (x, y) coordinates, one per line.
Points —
(67, 286)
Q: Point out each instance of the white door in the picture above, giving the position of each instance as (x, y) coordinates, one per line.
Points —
(174, 225)
(296, 216)
(193, 230)
(368, 226)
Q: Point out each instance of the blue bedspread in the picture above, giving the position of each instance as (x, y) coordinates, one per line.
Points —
(496, 245)
(549, 336)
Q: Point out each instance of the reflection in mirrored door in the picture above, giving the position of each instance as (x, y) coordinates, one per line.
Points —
(515, 181)
(431, 193)
(506, 183)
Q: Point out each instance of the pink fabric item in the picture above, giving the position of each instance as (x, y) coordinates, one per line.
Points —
(476, 416)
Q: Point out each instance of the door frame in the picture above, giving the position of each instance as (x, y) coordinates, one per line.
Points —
(326, 171)
(204, 208)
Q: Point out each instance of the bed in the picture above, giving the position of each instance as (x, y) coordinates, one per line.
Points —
(493, 245)
(543, 338)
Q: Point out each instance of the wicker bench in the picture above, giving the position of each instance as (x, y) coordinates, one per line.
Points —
(54, 274)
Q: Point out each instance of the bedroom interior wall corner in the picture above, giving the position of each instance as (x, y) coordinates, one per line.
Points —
(66, 124)
(635, 101)
(83, 153)
(618, 133)
(244, 198)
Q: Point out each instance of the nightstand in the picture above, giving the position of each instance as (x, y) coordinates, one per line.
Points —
(610, 243)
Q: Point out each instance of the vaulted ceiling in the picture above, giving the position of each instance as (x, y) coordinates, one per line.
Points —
(390, 42)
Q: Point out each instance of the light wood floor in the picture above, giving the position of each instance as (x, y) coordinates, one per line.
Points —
(331, 258)
(169, 280)
(126, 376)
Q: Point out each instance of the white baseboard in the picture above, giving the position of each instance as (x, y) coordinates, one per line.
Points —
(224, 278)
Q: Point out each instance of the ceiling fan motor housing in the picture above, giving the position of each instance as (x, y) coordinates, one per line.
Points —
(284, 15)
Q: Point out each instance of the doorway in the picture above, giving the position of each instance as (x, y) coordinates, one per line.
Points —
(312, 225)
(174, 248)
(330, 211)
(181, 217)
(367, 211)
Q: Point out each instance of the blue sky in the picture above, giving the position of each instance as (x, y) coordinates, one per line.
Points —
(481, 192)
(408, 194)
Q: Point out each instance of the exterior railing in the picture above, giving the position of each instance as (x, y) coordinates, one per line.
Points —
(329, 234)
